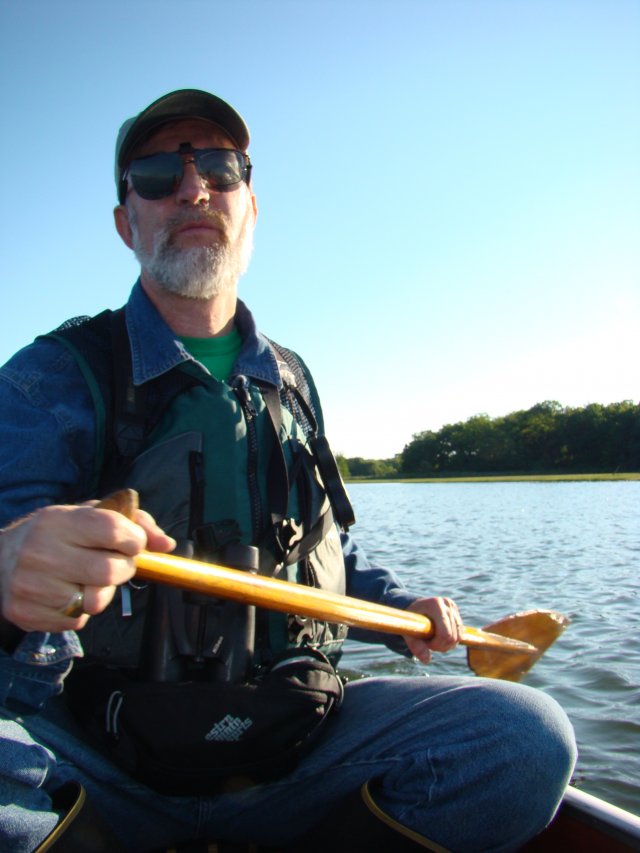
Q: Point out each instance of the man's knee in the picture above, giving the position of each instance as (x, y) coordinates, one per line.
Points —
(27, 815)
(22, 759)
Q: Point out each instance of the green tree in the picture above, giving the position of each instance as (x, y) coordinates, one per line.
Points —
(421, 455)
(544, 437)
(343, 466)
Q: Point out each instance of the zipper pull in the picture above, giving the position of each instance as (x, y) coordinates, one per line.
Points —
(240, 386)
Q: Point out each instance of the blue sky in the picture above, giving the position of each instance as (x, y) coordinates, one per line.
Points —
(449, 191)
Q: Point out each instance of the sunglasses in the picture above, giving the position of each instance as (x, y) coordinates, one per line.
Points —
(159, 175)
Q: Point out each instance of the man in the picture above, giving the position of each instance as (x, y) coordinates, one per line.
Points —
(460, 764)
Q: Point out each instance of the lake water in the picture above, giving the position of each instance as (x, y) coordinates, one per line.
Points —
(499, 548)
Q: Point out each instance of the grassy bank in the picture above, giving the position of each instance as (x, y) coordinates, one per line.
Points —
(502, 478)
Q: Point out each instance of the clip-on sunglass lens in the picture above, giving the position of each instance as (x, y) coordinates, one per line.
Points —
(158, 175)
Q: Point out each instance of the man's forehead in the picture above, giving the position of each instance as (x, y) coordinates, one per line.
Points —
(199, 132)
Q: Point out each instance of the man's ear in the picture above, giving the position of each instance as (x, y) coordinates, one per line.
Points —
(121, 217)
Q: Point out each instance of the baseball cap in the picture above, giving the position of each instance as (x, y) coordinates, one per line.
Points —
(183, 103)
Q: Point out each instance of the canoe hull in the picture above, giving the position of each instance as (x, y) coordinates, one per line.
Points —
(587, 824)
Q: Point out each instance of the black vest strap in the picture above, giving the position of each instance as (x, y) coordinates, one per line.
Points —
(130, 410)
(292, 545)
(135, 409)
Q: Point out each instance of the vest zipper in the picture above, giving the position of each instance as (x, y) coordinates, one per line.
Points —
(240, 386)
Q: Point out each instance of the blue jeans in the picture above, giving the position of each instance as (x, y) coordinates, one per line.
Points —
(473, 764)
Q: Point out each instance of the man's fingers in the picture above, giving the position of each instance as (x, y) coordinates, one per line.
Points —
(157, 539)
(97, 598)
(74, 565)
(446, 620)
(49, 531)
(419, 649)
(111, 531)
(49, 556)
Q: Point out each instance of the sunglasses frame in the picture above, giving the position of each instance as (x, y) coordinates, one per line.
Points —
(185, 151)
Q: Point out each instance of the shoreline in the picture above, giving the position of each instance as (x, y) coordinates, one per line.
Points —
(503, 478)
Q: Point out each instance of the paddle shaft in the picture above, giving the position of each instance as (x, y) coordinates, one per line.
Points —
(289, 597)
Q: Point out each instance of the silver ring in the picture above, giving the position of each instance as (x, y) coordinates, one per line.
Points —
(75, 606)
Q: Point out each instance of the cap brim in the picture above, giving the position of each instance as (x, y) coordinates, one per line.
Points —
(186, 103)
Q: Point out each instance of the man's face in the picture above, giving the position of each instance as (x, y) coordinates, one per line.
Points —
(196, 242)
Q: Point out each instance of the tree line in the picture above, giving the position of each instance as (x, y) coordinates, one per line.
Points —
(547, 437)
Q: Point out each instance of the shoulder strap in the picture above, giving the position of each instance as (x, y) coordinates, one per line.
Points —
(301, 398)
(125, 413)
(300, 395)
(87, 339)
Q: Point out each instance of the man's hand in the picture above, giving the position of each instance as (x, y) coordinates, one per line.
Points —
(51, 555)
(447, 623)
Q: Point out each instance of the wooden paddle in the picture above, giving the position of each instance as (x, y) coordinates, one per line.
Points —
(289, 597)
(541, 628)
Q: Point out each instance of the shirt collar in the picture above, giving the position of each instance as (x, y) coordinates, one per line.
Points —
(155, 349)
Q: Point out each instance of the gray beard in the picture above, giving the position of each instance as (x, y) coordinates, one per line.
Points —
(200, 272)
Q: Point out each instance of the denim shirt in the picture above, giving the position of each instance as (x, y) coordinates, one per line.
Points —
(36, 670)
(47, 448)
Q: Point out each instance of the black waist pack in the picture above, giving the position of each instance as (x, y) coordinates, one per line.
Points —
(203, 738)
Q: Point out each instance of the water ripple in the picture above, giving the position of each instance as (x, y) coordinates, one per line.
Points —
(499, 548)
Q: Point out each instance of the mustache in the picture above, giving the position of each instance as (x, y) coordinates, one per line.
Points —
(211, 217)
(215, 218)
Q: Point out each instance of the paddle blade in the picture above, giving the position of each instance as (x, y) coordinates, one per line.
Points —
(540, 628)
(477, 638)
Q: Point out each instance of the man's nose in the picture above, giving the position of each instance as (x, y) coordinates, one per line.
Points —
(192, 189)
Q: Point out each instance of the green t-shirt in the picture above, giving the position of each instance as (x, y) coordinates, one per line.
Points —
(217, 354)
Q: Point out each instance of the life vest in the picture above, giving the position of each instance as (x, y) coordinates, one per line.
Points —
(238, 473)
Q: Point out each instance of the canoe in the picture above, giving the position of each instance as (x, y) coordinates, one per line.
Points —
(588, 824)
(583, 824)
